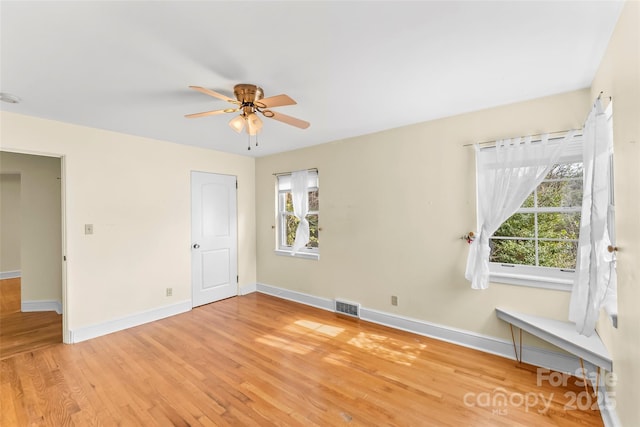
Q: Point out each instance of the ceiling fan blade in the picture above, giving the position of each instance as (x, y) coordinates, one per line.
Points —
(211, 113)
(289, 120)
(275, 101)
(214, 94)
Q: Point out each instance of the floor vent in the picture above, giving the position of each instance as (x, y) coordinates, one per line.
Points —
(348, 308)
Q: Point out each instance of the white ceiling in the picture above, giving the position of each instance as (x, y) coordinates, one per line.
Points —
(354, 67)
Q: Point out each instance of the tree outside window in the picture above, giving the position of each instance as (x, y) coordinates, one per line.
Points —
(544, 231)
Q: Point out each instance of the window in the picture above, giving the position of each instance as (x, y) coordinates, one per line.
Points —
(538, 245)
(288, 223)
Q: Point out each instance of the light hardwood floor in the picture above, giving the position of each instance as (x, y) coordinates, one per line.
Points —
(20, 332)
(260, 360)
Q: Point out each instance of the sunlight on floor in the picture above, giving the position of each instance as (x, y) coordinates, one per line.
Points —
(378, 345)
(387, 348)
(300, 327)
(328, 330)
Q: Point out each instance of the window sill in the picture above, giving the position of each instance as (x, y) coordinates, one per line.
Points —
(532, 281)
(303, 255)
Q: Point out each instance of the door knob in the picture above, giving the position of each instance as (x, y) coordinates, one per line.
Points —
(196, 246)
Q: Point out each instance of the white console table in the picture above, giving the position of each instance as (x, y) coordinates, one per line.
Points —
(559, 333)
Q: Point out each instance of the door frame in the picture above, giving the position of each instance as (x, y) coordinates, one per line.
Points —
(66, 336)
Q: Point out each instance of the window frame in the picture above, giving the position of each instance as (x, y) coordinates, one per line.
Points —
(282, 188)
(560, 279)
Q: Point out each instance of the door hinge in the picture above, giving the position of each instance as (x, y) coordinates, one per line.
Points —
(64, 258)
(236, 184)
(237, 279)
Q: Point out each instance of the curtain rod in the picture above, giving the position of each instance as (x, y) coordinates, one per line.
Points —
(534, 140)
(540, 134)
(289, 173)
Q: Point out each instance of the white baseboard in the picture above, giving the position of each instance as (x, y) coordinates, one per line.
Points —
(41, 305)
(247, 289)
(609, 414)
(108, 327)
(318, 302)
(10, 274)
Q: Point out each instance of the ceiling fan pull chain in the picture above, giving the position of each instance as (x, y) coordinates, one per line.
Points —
(248, 142)
(256, 140)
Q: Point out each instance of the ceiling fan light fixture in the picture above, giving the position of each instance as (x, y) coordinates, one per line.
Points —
(237, 123)
(254, 124)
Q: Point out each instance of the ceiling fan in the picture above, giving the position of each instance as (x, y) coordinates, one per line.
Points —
(249, 101)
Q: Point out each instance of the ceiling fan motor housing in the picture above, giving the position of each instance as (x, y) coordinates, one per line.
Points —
(247, 93)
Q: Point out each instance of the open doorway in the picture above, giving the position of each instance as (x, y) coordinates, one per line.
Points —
(31, 282)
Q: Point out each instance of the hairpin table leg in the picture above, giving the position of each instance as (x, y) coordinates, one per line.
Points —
(513, 339)
(584, 376)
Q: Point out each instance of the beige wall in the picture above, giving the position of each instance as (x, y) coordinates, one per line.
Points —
(40, 224)
(393, 206)
(9, 222)
(619, 77)
(136, 193)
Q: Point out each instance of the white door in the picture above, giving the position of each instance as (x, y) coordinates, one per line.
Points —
(214, 242)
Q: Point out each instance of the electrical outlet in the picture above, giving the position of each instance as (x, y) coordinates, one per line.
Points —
(169, 292)
(88, 229)
(394, 300)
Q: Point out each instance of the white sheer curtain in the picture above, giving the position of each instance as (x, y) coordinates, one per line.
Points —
(300, 200)
(595, 285)
(506, 175)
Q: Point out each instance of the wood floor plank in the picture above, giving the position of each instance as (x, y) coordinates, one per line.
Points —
(22, 332)
(259, 360)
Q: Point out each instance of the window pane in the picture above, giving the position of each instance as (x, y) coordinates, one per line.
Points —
(566, 170)
(559, 225)
(314, 201)
(290, 229)
(288, 202)
(560, 194)
(313, 231)
(557, 254)
(513, 251)
(292, 226)
(562, 188)
(519, 225)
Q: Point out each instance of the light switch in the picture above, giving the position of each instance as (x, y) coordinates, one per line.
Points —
(88, 229)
